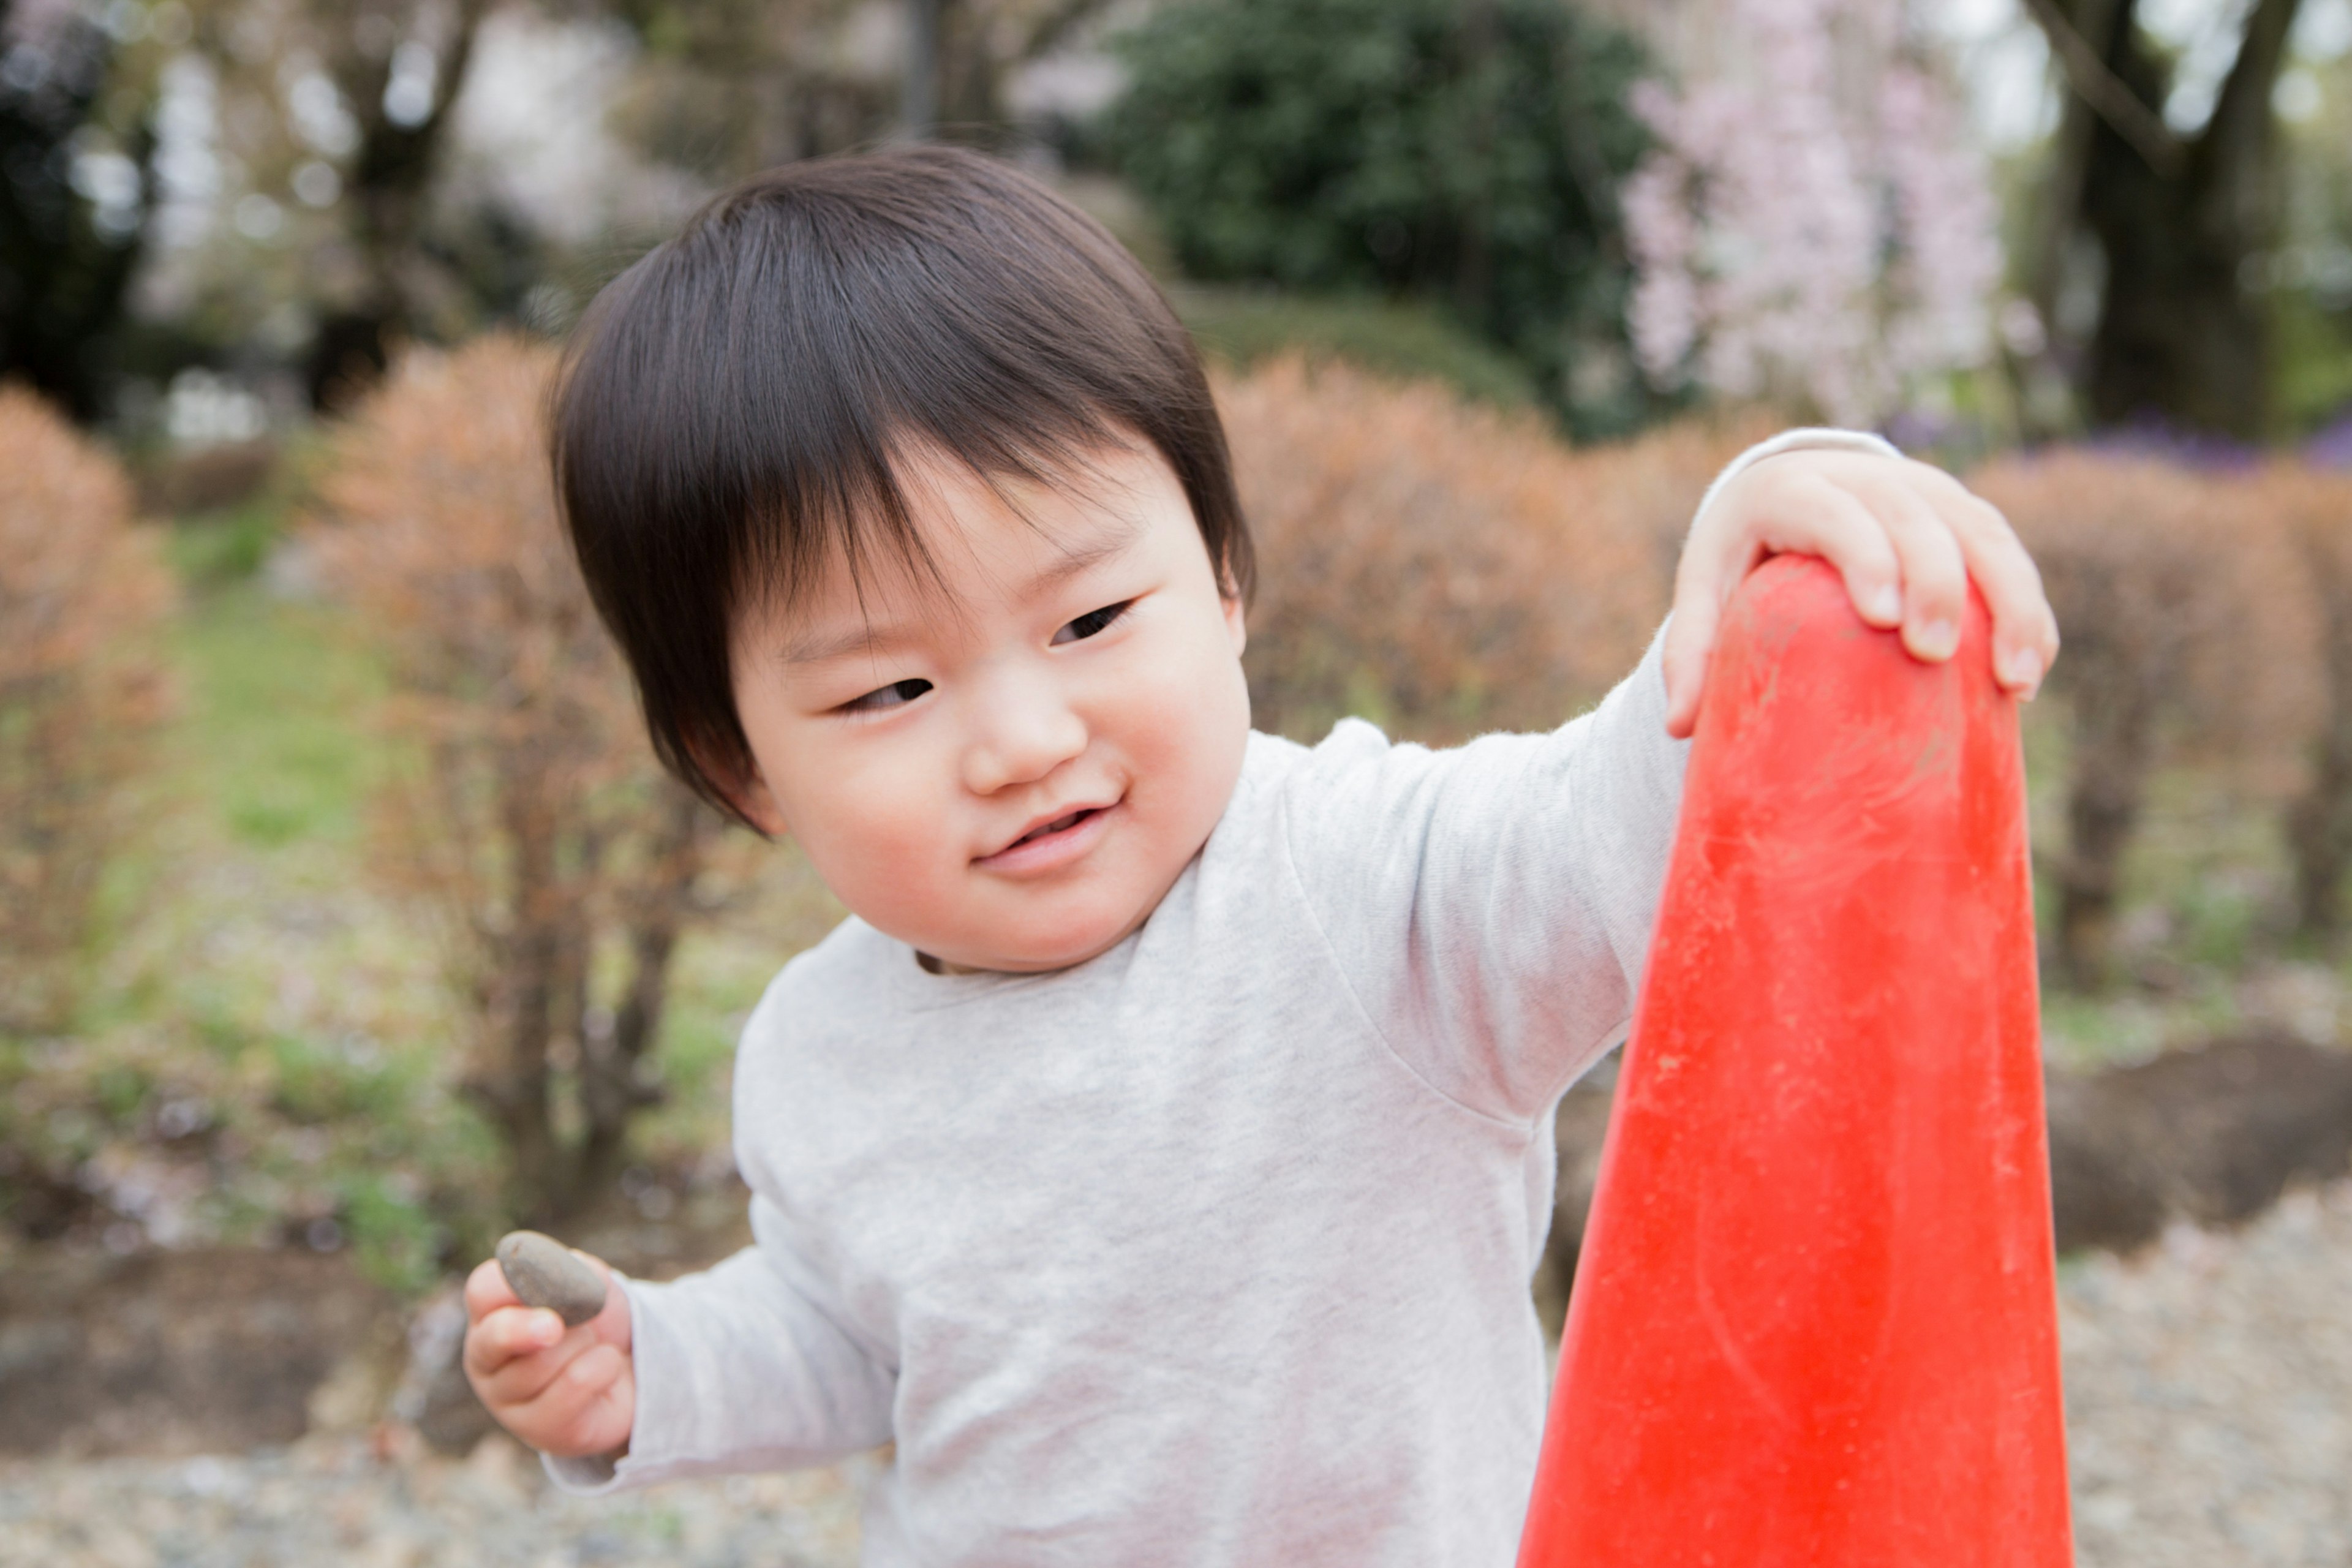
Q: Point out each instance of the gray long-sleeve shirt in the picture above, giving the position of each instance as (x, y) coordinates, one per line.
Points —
(1213, 1249)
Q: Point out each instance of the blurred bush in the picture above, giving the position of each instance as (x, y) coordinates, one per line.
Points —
(1441, 566)
(1468, 154)
(83, 594)
(561, 865)
(2187, 623)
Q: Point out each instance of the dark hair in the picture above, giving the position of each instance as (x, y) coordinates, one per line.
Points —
(729, 415)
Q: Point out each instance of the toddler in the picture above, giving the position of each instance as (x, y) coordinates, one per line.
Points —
(1159, 1155)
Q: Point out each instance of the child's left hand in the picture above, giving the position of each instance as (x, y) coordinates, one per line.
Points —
(1907, 537)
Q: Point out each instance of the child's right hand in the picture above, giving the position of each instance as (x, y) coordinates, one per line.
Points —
(565, 1392)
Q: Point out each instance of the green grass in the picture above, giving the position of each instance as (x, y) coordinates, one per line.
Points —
(218, 549)
(276, 731)
(2314, 356)
(2202, 926)
(267, 973)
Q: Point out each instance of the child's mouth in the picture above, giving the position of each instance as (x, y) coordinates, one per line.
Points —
(1059, 825)
(1050, 844)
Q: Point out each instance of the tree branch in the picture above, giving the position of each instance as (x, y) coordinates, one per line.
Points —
(2241, 121)
(2107, 94)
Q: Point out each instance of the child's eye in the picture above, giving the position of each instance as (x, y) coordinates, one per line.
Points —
(897, 694)
(1092, 622)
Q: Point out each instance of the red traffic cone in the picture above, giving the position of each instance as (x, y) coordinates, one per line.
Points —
(1814, 1321)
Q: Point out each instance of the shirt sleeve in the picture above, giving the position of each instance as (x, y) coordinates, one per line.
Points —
(742, 1367)
(1491, 905)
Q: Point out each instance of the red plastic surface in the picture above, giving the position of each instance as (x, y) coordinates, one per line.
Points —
(1814, 1320)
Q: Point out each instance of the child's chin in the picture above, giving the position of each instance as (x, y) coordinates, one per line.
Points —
(1063, 946)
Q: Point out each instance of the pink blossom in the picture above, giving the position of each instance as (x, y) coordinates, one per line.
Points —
(1813, 224)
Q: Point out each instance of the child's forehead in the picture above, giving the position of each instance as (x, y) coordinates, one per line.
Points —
(967, 539)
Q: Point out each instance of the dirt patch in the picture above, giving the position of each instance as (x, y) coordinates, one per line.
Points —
(2213, 1135)
(170, 1353)
(177, 1352)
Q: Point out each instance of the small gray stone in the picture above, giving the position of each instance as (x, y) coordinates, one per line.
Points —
(545, 1273)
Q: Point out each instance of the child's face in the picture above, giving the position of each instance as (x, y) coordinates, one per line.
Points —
(1010, 775)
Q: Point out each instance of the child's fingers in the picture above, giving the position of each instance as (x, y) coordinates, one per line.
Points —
(1828, 521)
(564, 1391)
(573, 1410)
(1796, 512)
(508, 1335)
(487, 1290)
(1689, 635)
(1907, 539)
(611, 1324)
(1935, 574)
(2024, 631)
(514, 1382)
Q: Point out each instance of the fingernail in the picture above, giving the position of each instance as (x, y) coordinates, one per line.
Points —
(1936, 640)
(2021, 668)
(1884, 604)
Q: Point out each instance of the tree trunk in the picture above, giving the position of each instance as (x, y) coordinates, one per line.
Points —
(921, 107)
(975, 49)
(512, 1087)
(2114, 745)
(613, 1085)
(2319, 824)
(2178, 340)
(64, 286)
(2180, 337)
(390, 179)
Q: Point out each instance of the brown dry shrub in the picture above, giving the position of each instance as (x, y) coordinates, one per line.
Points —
(2314, 511)
(83, 593)
(537, 825)
(1434, 564)
(2154, 571)
(1650, 486)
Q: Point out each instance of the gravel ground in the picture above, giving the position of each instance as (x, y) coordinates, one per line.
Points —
(344, 1501)
(2209, 1395)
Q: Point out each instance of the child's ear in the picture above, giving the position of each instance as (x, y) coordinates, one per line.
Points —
(747, 792)
(1236, 616)
(760, 808)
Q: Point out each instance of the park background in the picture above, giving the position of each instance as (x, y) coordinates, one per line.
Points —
(345, 922)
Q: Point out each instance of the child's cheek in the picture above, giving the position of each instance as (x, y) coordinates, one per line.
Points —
(881, 838)
(1189, 729)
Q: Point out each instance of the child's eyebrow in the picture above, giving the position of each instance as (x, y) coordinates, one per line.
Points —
(865, 638)
(1079, 559)
(868, 638)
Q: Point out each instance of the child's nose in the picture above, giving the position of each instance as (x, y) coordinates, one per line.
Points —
(1027, 729)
